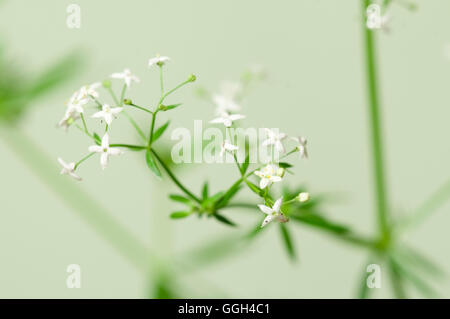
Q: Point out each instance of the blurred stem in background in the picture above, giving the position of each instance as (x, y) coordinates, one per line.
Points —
(375, 122)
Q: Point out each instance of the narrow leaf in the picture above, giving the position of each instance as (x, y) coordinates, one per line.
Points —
(179, 214)
(97, 138)
(287, 241)
(284, 165)
(169, 107)
(160, 131)
(151, 163)
(255, 188)
(224, 220)
(180, 199)
(228, 196)
(205, 191)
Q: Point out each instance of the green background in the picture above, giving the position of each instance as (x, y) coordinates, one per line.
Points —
(315, 87)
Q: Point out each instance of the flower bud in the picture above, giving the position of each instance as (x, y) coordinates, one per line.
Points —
(106, 84)
(192, 78)
(127, 102)
(303, 197)
(280, 171)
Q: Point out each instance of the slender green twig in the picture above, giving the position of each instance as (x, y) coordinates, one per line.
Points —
(174, 179)
(376, 141)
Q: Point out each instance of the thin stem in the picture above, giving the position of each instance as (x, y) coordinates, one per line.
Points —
(84, 123)
(161, 81)
(83, 159)
(141, 108)
(428, 207)
(135, 125)
(130, 146)
(376, 141)
(173, 90)
(174, 179)
(152, 128)
(122, 95)
(113, 96)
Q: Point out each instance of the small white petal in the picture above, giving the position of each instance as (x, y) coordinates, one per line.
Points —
(104, 160)
(276, 207)
(263, 183)
(114, 151)
(95, 149)
(105, 141)
(267, 220)
(265, 209)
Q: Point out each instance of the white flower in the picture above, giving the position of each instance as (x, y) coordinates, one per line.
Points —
(89, 91)
(159, 60)
(275, 138)
(230, 89)
(301, 146)
(273, 213)
(268, 175)
(225, 104)
(68, 169)
(104, 150)
(227, 119)
(68, 119)
(303, 197)
(227, 146)
(126, 76)
(76, 103)
(108, 113)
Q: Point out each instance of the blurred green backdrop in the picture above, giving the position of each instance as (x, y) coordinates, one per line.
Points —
(311, 50)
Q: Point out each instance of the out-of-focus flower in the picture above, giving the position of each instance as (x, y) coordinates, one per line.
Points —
(89, 91)
(108, 113)
(104, 150)
(68, 119)
(227, 119)
(76, 103)
(127, 76)
(227, 147)
(225, 104)
(68, 169)
(303, 197)
(275, 138)
(301, 146)
(158, 60)
(268, 175)
(273, 213)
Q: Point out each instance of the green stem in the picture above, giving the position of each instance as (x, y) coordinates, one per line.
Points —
(83, 159)
(152, 128)
(174, 179)
(130, 146)
(122, 95)
(376, 141)
(84, 123)
(141, 108)
(113, 96)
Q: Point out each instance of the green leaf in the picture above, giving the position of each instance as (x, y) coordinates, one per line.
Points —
(415, 258)
(160, 131)
(287, 241)
(180, 199)
(224, 220)
(284, 165)
(151, 163)
(179, 214)
(414, 279)
(97, 138)
(213, 198)
(165, 108)
(205, 191)
(255, 188)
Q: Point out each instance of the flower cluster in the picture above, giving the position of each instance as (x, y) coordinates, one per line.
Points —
(227, 104)
(88, 96)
